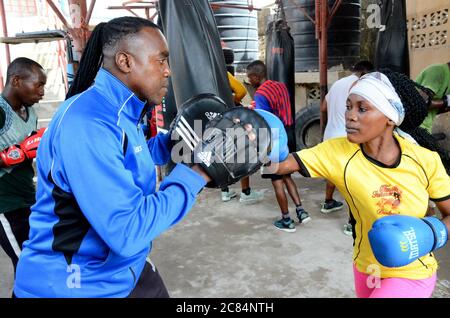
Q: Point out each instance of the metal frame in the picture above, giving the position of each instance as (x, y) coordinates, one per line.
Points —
(218, 5)
(152, 4)
(137, 4)
(5, 30)
(80, 33)
(33, 37)
(5, 34)
(322, 22)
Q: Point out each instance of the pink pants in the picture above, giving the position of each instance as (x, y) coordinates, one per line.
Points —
(371, 287)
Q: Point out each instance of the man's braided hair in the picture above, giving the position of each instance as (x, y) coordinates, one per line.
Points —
(416, 109)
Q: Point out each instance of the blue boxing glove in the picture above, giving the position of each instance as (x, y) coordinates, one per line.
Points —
(398, 240)
(279, 148)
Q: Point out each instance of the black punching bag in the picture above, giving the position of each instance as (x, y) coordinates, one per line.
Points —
(280, 58)
(167, 110)
(196, 58)
(392, 41)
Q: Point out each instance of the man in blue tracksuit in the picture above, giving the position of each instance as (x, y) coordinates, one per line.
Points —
(97, 210)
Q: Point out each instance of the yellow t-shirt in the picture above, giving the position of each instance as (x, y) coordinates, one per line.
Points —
(373, 190)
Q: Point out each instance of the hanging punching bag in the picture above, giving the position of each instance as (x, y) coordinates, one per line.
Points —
(167, 110)
(392, 41)
(196, 58)
(280, 59)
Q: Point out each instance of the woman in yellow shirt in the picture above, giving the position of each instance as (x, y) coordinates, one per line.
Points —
(381, 172)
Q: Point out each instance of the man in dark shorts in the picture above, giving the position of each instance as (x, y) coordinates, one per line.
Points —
(273, 97)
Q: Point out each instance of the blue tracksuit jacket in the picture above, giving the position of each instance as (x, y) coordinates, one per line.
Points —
(97, 210)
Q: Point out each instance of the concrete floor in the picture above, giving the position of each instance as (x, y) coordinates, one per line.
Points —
(232, 250)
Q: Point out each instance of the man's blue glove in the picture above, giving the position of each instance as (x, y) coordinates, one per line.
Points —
(279, 148)
(398, 240)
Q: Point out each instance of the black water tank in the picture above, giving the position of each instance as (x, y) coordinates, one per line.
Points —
(343, 34)
(238, 28)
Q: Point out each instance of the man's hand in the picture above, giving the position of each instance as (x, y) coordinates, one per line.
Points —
(16, 154)
(30, 144)
(201, 172)
(11, 156)
(446, 101)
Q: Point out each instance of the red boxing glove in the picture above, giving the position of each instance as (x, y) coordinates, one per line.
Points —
(12, 156)
(30, 144)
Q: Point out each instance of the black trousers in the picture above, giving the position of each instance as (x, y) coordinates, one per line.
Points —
(150, 284)
(14, 230)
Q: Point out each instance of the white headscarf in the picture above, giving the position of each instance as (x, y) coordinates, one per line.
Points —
(378, 90)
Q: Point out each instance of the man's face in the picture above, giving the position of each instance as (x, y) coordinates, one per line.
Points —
(30, 89)
(149, 75)
(363, 121)
(253, 79)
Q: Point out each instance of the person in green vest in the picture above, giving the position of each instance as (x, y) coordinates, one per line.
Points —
(436, 77)
(19, 138)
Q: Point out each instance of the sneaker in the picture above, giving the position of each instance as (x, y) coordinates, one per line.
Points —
(331, 207)
(348, 230)
(286, 225)
(303, 216)
(251, 198)
(228, 195)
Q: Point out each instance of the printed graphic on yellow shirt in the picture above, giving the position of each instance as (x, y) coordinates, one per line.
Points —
(389, 198)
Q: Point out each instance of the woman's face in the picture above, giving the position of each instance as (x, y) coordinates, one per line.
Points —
(363, 121)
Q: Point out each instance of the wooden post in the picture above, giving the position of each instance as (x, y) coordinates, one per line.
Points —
(5, 34)
(79, 29)
(323, 49)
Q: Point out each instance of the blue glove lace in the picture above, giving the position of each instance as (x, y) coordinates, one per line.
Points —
(434, 234)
